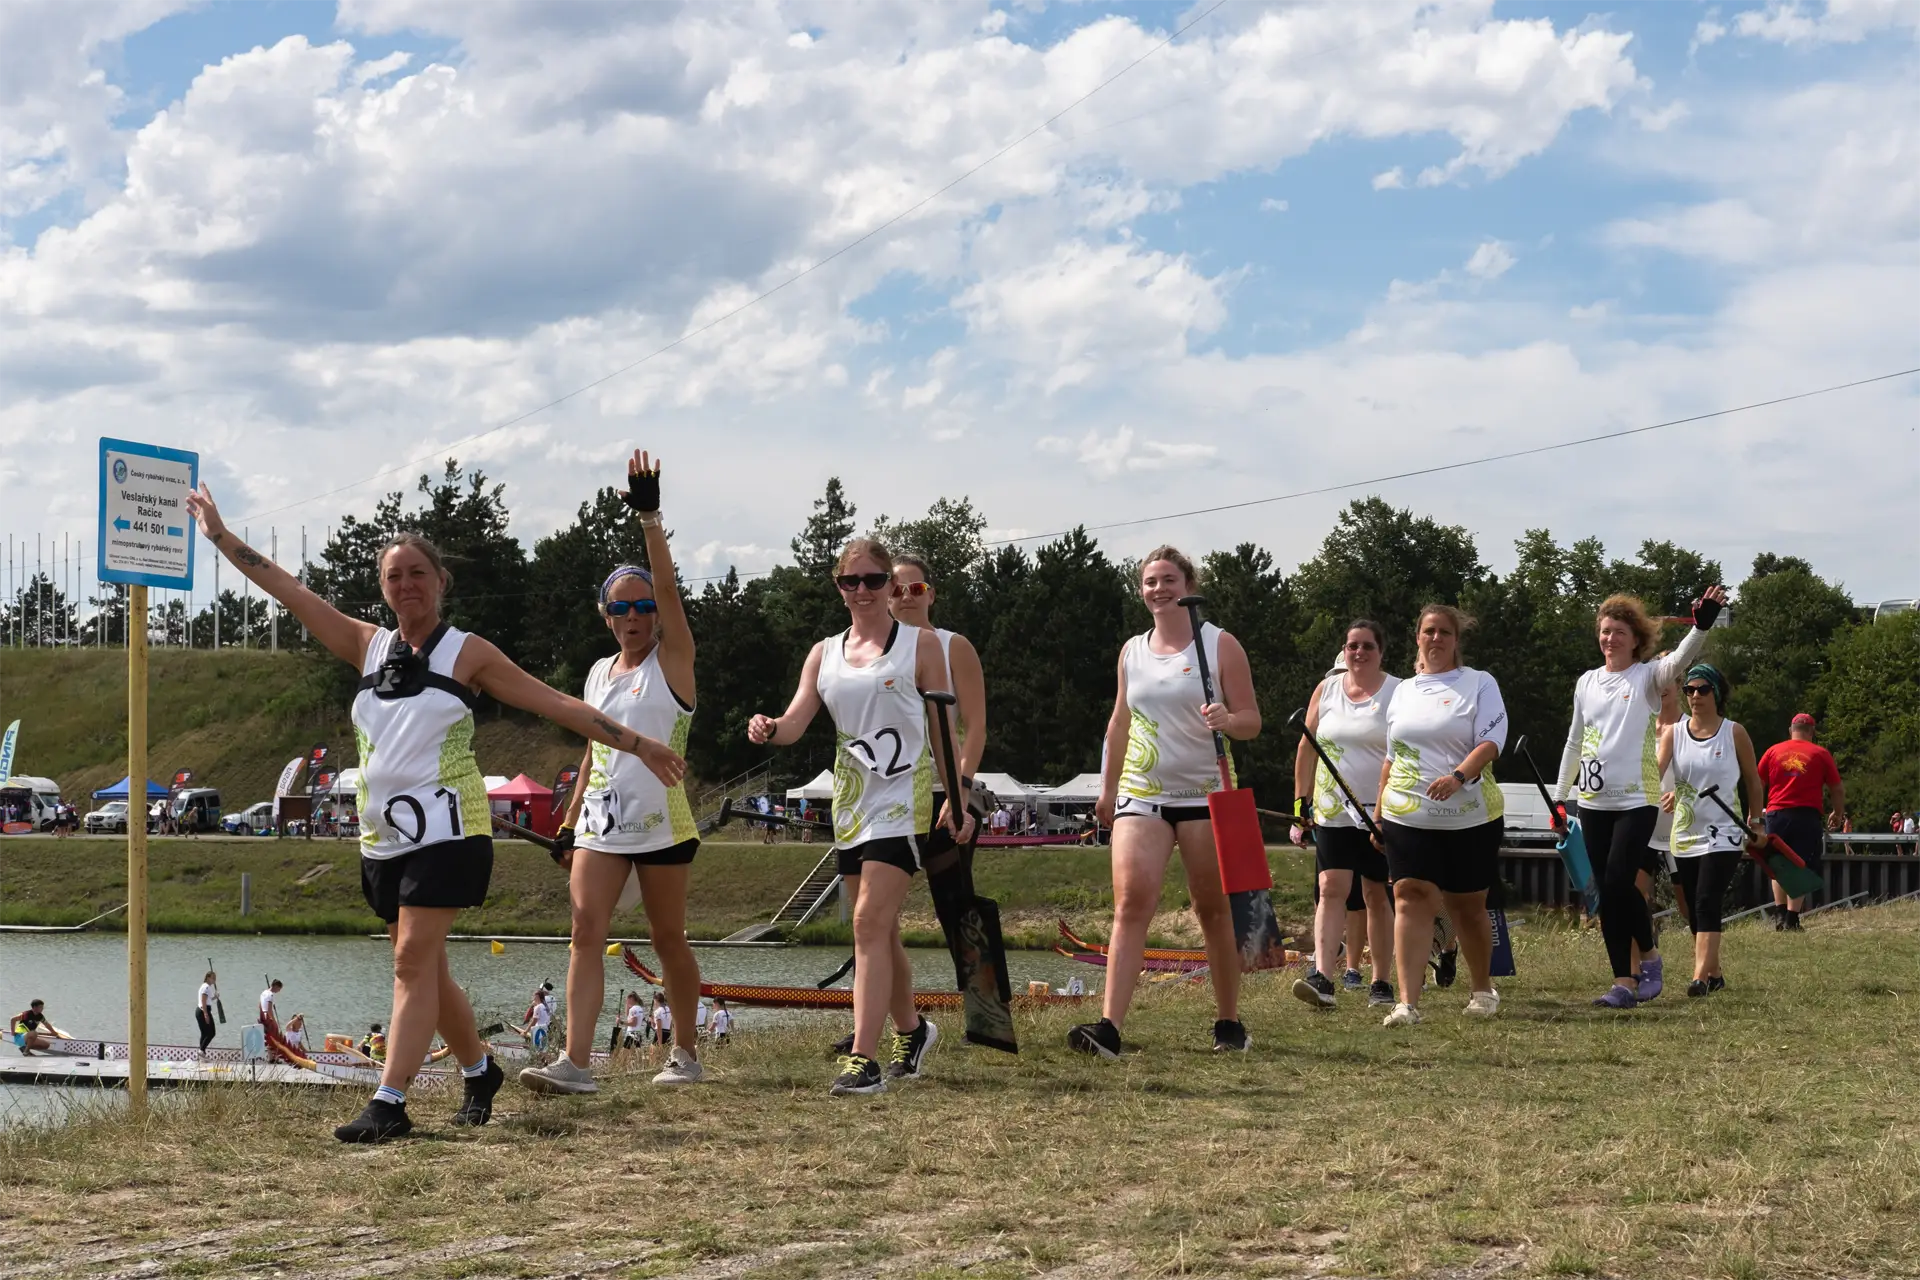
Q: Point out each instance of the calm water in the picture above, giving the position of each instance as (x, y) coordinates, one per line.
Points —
(343, 984)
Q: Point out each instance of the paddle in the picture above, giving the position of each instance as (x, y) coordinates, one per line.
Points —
(845, 968)
(971, 923)
(1298, 720)
(219, 1005)
(1570, 841)
(525, 833)
(1238, 846)
(1773, 853)
(728, 813)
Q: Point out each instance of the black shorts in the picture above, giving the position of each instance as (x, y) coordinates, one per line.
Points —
(453, 873)
(1804, 830)
(1456, 860)
(895, 851)
(674, 855)
(1171, 814)
(1348, 849)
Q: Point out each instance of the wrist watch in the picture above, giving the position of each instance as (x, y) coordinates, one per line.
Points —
(1459, 777)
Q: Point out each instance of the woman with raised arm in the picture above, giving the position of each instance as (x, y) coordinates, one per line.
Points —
(1160, 767)
(869, 679)
(1610, 760)
(426, 850)
(625, 831)
(1348, 714)
(1708, 750)
(1441, 811)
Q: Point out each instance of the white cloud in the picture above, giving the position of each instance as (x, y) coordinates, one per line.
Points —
(1108, 457)
(1394, 179)
(1490, 261)
(1271, 205)
(1836, 21)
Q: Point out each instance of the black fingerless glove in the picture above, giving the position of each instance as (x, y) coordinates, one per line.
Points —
(562, 843)
(1704, 612)
(643, 492)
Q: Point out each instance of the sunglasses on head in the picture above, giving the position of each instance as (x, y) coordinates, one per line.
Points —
(871, 581)
(1699, 691)
(621, 608)
(914, 589)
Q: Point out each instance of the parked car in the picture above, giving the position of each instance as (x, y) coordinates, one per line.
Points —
(196, 810)
(254, 820)
(111, 816)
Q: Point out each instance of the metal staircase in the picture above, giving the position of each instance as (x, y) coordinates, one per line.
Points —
(759, 780)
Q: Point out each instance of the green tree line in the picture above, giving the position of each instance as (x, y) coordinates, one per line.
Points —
(1049, 623)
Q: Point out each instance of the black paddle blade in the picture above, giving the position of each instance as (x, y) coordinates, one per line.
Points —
(980, 964)
(1256, 930)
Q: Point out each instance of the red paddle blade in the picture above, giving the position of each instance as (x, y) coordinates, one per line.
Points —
(1237, 841)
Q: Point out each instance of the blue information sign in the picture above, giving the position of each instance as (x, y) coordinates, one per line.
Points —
(146, 535)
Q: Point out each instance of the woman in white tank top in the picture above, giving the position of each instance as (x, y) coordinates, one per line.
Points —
(869, 679)
(1159, 768)
(1707, 750)
(1348, 714)
(431, 853)
(627, 834)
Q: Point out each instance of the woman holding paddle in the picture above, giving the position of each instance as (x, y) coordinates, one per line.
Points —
(1160, 766)
(628, 832)
(1706, 752)
(1441, 810)
(1610, 760)
(425, 851)
(869, 679)
(1348, 715)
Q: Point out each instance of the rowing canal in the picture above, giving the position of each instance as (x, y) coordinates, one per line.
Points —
(344, 984)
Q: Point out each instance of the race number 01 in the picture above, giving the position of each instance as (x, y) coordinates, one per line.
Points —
(420, 815)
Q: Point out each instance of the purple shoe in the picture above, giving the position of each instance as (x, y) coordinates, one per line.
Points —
(1618, 998)
(1650, 984)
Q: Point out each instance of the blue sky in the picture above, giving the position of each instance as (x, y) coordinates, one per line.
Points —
(322, 255)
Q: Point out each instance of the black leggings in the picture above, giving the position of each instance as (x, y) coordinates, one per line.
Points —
(1617, 848)
(205, 1020)
(1704, 880)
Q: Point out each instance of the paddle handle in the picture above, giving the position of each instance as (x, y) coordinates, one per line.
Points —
(956, 802)
(1192, 605)
(1299, 721)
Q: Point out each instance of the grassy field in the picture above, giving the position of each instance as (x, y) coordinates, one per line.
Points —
(1766, 1131)
(302, 886)
(234, 718)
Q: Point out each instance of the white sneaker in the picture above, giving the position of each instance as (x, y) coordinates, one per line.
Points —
(1483, 1004)
(682, 1068)
(1403, 1015)
(559, 1076)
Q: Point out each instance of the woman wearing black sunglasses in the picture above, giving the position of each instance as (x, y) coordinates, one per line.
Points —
(869, 679)
(1707, 750)
(628, 834)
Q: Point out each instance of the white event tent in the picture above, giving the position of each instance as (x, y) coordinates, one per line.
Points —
(821, 788)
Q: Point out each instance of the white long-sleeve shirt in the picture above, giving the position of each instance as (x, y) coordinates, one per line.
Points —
(1613, 745)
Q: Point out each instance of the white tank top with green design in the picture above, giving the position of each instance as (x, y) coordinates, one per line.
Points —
(624, 808)
(1170, 755)
(882, 765)
(419, 783)
(1354, 736)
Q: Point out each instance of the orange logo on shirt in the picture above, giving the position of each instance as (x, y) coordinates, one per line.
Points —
(1186, 671)
(888, 684)
(1793, 764)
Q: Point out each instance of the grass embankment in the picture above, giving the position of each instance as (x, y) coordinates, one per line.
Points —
(234, 717)
(302, 886)
(1766, 1131)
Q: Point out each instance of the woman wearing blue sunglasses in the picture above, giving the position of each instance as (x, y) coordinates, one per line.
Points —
(628, 835)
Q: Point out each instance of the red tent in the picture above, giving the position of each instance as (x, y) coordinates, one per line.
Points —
(533, 801)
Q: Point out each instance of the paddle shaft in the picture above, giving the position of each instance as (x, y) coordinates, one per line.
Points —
(525, 833)
(728, 813)
(956, 800)
(1713, 793)
(1299, 721)
(219, 1005)
(1539, 781)
(1192, 605)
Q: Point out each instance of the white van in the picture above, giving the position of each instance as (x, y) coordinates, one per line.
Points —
(42, 799)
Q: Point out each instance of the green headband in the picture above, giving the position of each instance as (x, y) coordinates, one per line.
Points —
(1711, 674)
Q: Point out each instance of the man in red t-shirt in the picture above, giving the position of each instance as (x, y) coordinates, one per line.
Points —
(1795, 771)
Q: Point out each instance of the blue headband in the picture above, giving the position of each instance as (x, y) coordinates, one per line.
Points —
(624, 571)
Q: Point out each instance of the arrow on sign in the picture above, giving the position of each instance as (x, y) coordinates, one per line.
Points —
(172, 532)
(123, 524)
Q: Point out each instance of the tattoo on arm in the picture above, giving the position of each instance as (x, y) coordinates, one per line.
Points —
(619, 733)
(248, 556)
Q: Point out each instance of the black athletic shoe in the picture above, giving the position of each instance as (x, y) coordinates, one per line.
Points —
(1446, 967)
(1380, 995)
(1793, 922)
(859, 1076)
(476, 1102)
(1100, 1037)
(1697, 987)
(842, 1048)
(1716, 983)
(377, 1122)
(1779, 919)
(910, 1050)
(1315, 989)
(1231, 1037)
